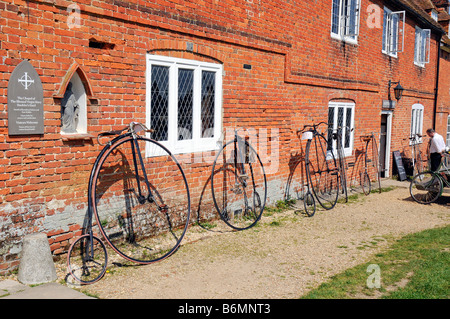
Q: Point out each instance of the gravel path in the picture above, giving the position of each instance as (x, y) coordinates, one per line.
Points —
(283, 257)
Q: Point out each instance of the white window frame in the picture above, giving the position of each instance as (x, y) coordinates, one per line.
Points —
(416, 121)
(422, 47)
(434, 15)
(448, 131)
(344, 19)
(346, 105)
(196, 143)
(392, 31)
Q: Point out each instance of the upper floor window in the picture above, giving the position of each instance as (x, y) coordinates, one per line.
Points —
(393, 35)
(184, 103)
(422, 47)
(345, 20)
(448, 131)
(341, 116)
(434, 15)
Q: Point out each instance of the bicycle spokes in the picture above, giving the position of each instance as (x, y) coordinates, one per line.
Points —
(323, 173)
(426, 187)
(142, 200)
(238, 185)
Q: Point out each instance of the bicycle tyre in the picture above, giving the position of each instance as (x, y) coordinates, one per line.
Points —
(323, 175)
(426, 187)
(81, 266)
(310, 204)
(366, 184)
(140, 228)
(240, 205)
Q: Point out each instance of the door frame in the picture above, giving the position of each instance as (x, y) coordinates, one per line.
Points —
(388, 142)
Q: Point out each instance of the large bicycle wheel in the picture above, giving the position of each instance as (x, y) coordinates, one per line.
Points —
(87, 259)
(426, 187)
(322, 171)
(140, 198)
(239, 185)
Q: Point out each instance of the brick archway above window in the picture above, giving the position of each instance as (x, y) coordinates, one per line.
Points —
(186, 46)
(75, 67)
(343, 96)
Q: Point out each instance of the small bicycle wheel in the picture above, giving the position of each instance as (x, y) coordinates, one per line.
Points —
(140, 198)
(238, 185)
(323, 172)
(366, 184)
(310, 204)
(87, 259)
(426, 187)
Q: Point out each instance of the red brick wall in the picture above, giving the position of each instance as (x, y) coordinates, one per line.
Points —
(297, 69)
(443, 105)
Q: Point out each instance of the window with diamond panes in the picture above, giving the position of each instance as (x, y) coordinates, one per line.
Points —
(208, 97)
(159, 110)
(340, 115)
(448, 131)
(184, 103)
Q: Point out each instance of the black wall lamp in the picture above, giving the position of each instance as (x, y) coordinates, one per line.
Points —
(398, 90)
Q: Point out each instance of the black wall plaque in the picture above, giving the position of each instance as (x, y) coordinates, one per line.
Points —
(25, 101)
(400, 168)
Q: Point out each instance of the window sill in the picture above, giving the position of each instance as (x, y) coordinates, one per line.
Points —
(390, 55)
(344, 39)
(421, 65)
(76, 136)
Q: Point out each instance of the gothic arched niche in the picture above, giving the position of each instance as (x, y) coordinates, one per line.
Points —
(74, 93)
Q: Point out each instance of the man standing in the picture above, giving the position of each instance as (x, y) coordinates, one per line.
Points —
(437, 147)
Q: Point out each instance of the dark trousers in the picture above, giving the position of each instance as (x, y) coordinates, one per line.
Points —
(435, 161)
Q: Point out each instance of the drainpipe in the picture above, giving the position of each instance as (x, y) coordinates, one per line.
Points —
(436, 89)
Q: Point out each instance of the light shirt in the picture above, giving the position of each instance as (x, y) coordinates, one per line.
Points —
(437, 144)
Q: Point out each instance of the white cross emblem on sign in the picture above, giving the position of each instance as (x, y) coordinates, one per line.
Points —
(26, 81)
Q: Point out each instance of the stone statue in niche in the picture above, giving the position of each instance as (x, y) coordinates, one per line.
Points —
(70, 110)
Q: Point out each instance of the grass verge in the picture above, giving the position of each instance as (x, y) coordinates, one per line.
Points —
(415, 267)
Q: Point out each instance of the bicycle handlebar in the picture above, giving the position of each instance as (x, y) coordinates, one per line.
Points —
(313, 126)
(133, 127)
(413, 138)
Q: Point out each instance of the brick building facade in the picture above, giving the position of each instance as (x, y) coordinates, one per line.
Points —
(277, 65)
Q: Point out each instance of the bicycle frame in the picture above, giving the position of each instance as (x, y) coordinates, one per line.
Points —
(86, 245)
(414, 152)
(368, 138)
(337, 135)
(444, 168)
(135, 148)
(239, 158)
(311, 133)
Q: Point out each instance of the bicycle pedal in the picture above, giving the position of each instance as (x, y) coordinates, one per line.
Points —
(243, 176)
